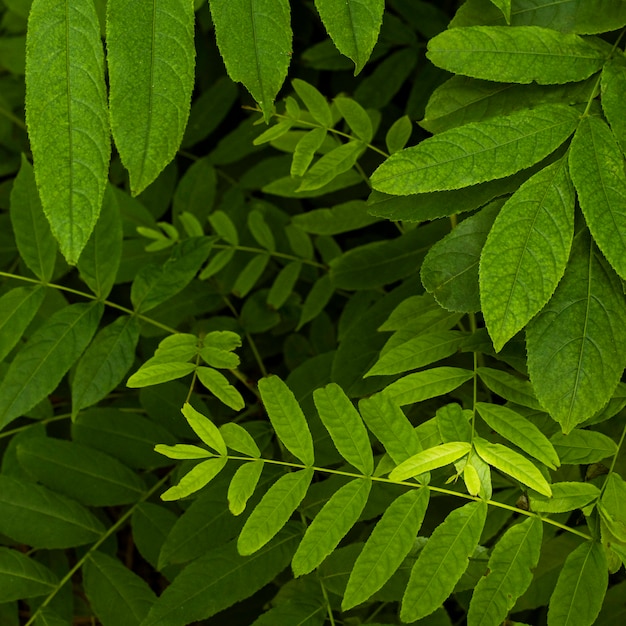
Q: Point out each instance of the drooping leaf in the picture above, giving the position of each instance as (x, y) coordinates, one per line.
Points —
(442, 561)
(526, 252)
(17, 309)
(208, 432)
(41, 364)
(577, 344)
(509, 573)
(477, 152)
(391, 541)
(242, 486)
(580, 589)
(274, 510)
(198, 477)
(151, 76)
(254, 38)
(67, 117)
(22, 577)
(430, 459)
(331, 525)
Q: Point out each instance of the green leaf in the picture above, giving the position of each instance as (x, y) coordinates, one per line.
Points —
(330, 165)
(577, 344)
(513, 464)
(150, 57)
(219, 579)
(442, 561)
(305, 150)
(477, 152)
(17, 309)
(430, 383)
(283, 284)
(314, 101)
(261, 232)
(509, 573)
(345, 427)
(239, 439)
(219, 386)
(583, 446)
(274, 510)
(242, 486)
(341, 218)
(90, 476)
(565, 497)
(356, 117)
(519, 431)
(450, 269)
(250, 274)
(33, 236)
(517, 55)
(287, 418)
(613, 94)
(331, 525)
(100, 260)
(224, 227)
(526, 252)
(208, 432)
(353, 26)
(453, 424)
(509, 387)
(505, 7)
(398, 134)
(430, 459)
(199, 476)
(580, 589)
(254, 38)
(183, 451)
(22, 577)
(67, 117)
(391, 541)
(105, 362)
(41, 518)
(41, 364)
(159, 373)
(597, 167)
(117, 596)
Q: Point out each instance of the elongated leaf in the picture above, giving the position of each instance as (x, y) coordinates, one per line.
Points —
(583, 446)
(331, 525)
(356, 117)
(513, 464)
(105, 363)
(509, 573)
(577, 344)
(284, 284)
(613, 93)
(390, 542)
(22, 577)
(526, 252)
(597, 167)
(242, 486)
(565, 497)
(239, 439)
(90, 476)
(182, 451)
(41, 364)
(17, 309)
(41, 518)
(301, 611)
(353, 26)
(505, 7)
(520, 431)
(254, 38)
(205, 429)
(431, 459)
(453, 424)
(520, 55)
(219, 579)
(442, 561)
(199, 476)
(509, 387)
(159, 373)
(580, 589)
(274, 510)
(33, 236)
(477, 152)
(330, 165)
(117, 596)
(314, 101)
(287, 418)
(345, 426)
(305, 150)
(151, 76)
(67, 118)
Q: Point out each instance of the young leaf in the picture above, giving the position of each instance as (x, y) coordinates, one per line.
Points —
(442, 561)
(331, 525)
(41, 364)
(390, 542)
(219, 386)
(22, 577)
(430, 459)
(580, 589)
(254, 38)
(516, 55)
(459, 158)
(242, 486)
(208, 432)
(526, 252)
(67, 118)
(509, 573)
(353, 26)
(519, 431)
(238, 438)
(150, 56)
(199, 476)
(287, 418)
(33, 236)
(597, 167)
(577, 344)
(274, 510)
(159, 373)
(345, 426)
(513, 464)
(17, 309)
(183, 451)
(565, 497)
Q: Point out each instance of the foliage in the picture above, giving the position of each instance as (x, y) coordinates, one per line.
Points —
(275, 354)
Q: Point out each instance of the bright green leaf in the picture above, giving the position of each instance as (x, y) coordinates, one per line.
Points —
(219, 386)
(159, 373)
(239, 439)
(242, 486)
(208, 432)
(430, 459)
(566, 497)
(583, 446)
(198, 477)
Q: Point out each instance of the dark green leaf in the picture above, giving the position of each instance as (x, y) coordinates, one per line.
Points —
(22, 577)
(17, 309)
